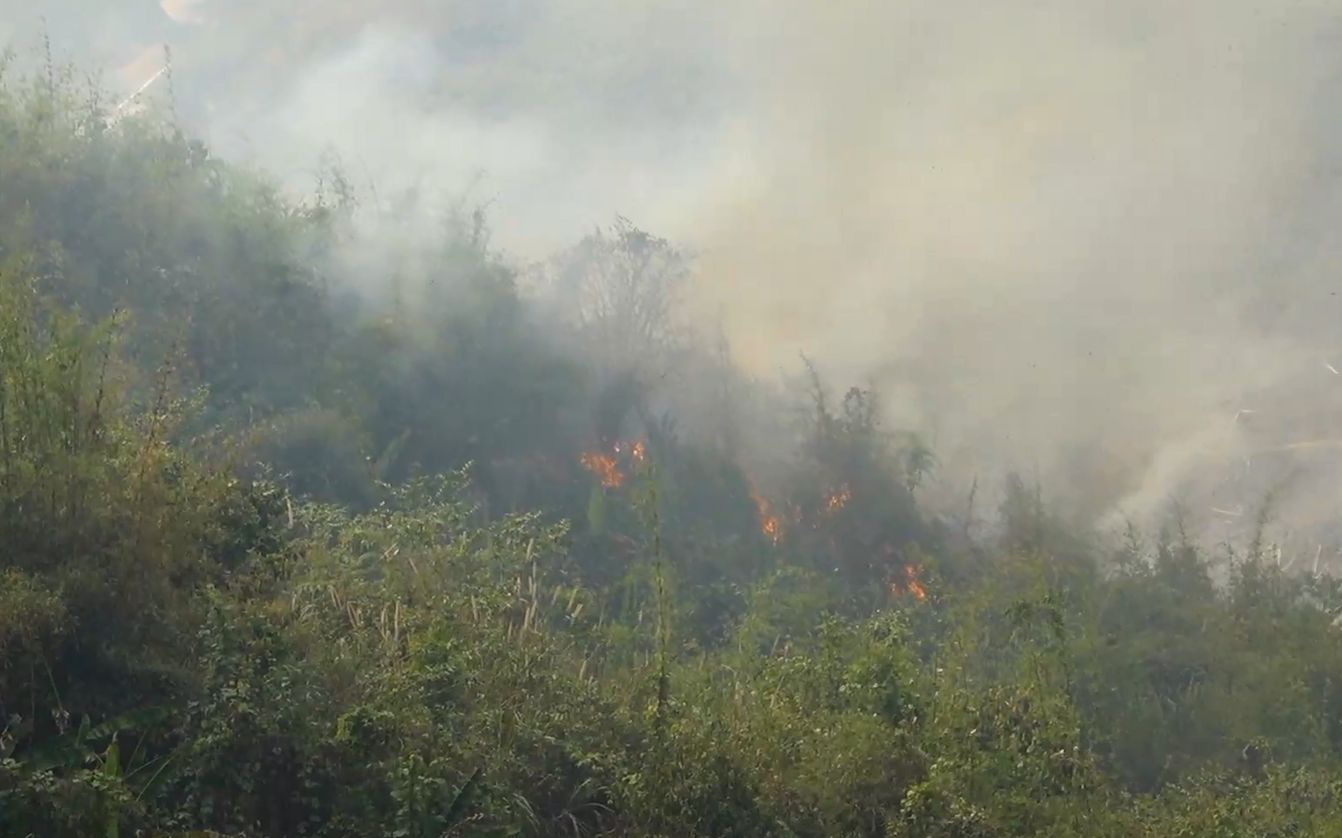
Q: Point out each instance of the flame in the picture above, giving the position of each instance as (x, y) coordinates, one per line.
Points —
(838, 499)
(604, 468)
(912, 585)
(770, 524)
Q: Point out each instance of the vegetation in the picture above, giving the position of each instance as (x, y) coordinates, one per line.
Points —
(282, 558)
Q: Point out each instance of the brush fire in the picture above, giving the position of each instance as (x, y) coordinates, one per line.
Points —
(638, 452)
(838, 499)
(606, 467)
(770, 524)
(910, 584)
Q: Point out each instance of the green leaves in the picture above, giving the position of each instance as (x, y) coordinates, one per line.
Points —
(234, 500)
(596, 511)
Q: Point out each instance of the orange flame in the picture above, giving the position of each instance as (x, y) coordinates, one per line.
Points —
(770, 524)
(604, 468)
(838, 499)
(638, 451)
(912, 585)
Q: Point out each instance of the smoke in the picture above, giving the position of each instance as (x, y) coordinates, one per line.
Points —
(1071, 238)
(1067, 237)
(557, 115)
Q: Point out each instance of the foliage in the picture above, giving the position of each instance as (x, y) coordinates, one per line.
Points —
(252, 585)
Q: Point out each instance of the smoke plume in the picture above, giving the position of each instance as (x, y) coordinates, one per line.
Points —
(1087, 241)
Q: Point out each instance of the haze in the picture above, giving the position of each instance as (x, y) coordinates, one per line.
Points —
(1077, 239)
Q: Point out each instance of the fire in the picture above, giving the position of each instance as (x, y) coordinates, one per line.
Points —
(604, 468)
(770, 524)
(772, 527)
(638, 452)
(838, 499)
(911, 584)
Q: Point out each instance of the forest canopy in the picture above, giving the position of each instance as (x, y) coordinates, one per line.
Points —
(310, 529)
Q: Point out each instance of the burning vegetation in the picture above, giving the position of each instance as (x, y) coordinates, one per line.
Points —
(771, 525)
(911, 583)
(836, 500)
(637, 451)
(491, 577)
(606, 468)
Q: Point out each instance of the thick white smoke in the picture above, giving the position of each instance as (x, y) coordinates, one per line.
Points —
(1072, 237)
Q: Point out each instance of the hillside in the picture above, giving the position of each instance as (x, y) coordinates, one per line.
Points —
(312, 528)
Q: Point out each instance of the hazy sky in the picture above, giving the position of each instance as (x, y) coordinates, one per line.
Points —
(1072, 236)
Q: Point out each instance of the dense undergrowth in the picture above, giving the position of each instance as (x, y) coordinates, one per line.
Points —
(276, 559)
